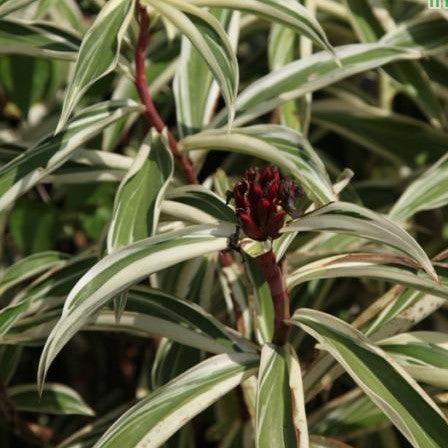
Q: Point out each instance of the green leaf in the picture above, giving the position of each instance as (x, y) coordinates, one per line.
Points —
(276, 405)
(172, 359)
(207, 35)
(297, 78)
(26, 170)
(355, 220)
(357, 414)
(409, 74)
(138, 199)
(364, 21)
(33, 226)
(289, 13)
(29, 267)
(55, 399)
(154, 419)
(276, 144)
(195, 203)
(37, 39)
(408, 406)
(427, 192)
(118, 271)
(395, 137)
(426, 33)
(10, 356)
(99, 52)
(28, 81)
(55, 283)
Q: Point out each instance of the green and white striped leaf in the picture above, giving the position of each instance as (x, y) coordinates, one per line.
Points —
(276, 144)
(154, 312)
(352, 219)
(67, 12)
(9, 6)
(280, 419)
(29, 267)
(41, 39)
(423, 354)
(91, 166)
(209, 38)
(408, 310)
(235, 296)
(80, 174)
(195, 203)
(99, 52)
(408, 406)
(427, 192)
(264, 305)
(409, 75)
(355, 220)
(397, 138)
(55, 283)
(283, 49)
(289, 13)
(320, 70)
(369, 265)
(90, 433)
(55, 399)
(404, 299)
(120, 270)
(154, 419)
(426, 33)
(195, 92)
(356, 413)
(149, 313)
(138, 199)
(159, 73)
(26, 170)
(171, 360)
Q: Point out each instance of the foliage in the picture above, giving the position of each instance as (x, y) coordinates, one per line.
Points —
(135, 311)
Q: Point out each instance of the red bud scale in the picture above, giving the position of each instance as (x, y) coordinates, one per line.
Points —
(263, 199)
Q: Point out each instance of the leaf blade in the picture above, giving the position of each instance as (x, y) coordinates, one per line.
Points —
(120, 270)
(393, 391)
(99, 52)
(155, 418)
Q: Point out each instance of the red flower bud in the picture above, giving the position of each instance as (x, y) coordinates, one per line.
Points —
(263, 198)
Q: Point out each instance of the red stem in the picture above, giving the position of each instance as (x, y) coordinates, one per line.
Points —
(274, 276)
(150, 112)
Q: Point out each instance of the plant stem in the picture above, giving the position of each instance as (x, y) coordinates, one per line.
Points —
(150, 112)
(274, 276)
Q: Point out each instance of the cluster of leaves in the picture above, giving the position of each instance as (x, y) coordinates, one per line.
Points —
(105, 244)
